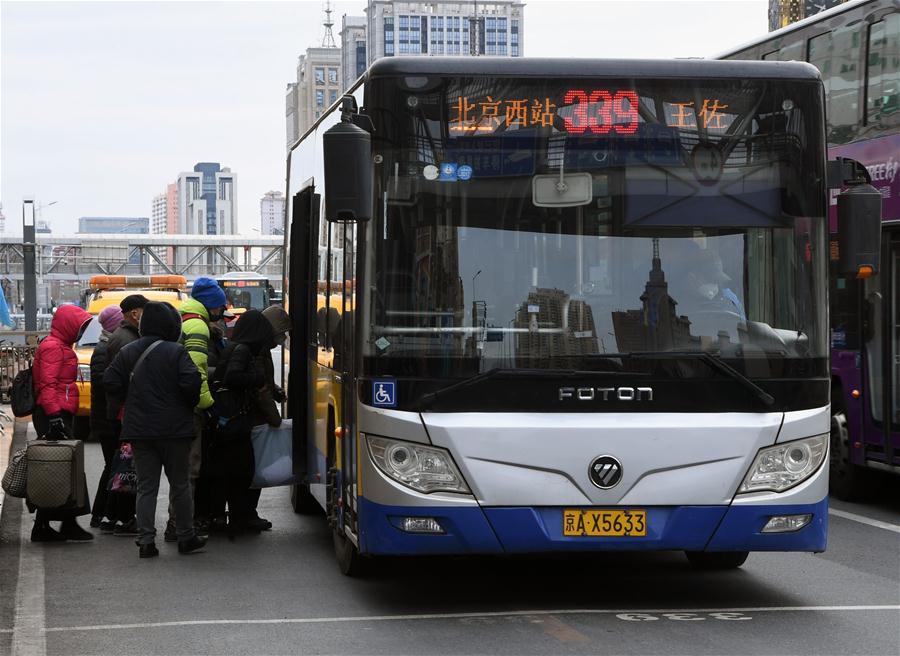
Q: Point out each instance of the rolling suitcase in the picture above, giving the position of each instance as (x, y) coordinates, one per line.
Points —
(55, 473)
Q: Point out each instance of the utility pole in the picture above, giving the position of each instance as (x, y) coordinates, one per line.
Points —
(29, 275)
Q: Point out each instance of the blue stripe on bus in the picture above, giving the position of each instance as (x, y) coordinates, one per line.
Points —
(472, 530)
(530, 530)
(742, 526)
(466, 531)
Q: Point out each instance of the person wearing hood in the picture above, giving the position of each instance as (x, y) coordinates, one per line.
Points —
(207, 305)
(265, 409)
(115, 507)
(56, 402)
(239, 378)
(160, 386)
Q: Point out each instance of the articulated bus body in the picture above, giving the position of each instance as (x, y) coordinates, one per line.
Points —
(588, 313)
(857, 47)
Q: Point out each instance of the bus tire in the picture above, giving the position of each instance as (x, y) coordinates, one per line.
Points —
(716, 560)
(303, 502)
(845, 479)
(81, 428)
(349, 560)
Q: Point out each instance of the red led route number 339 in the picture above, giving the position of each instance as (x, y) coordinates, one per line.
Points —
(617, 111)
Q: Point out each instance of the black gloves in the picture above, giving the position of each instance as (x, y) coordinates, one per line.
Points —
(278, 395)
(57, 428)
(210, 417)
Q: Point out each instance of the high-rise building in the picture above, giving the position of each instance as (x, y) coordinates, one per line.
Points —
(465, 27)
(207, 203)
(206, 199)
(291, 118)
(784, 12)
(353, 49)
(164, 218)
(2, 220)
(318, 84)
(158, 222)
(394, 27)
(271, 213)
(115, 225)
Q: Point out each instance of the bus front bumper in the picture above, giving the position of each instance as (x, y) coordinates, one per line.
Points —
(522, 530)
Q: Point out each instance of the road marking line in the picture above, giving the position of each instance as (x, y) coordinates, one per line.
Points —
(556, 628)
(28, 632)
(864, 520)
(457, 616)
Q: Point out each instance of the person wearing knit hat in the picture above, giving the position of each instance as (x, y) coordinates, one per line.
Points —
(107, 509)
(206, 305)
(208, 292)
(111, 318)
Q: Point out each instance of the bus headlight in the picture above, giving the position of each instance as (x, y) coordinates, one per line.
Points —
(777, 468)
(423, 468)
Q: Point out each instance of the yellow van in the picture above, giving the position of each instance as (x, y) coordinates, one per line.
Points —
(103, 292)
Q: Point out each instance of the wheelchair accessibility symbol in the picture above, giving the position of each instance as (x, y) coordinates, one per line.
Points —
(384, 393)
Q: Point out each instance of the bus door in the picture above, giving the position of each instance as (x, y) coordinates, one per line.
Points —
(301, 295)
(881, 356)
(892, 332)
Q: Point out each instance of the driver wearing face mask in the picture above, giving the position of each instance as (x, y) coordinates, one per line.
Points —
(709, 281)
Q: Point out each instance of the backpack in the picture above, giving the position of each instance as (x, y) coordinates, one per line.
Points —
(22, 397)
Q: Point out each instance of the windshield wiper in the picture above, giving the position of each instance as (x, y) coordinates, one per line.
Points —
(714, 361)
(426, 399)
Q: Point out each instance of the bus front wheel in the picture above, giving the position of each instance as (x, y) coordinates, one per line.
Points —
(844, 478)
(350, 562)
(710, 560)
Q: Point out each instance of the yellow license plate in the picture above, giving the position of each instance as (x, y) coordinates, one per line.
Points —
(605, 523)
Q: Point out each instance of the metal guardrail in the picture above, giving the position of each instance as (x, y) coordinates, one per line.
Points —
(15, 358)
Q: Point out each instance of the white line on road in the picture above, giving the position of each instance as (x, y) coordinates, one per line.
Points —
(28, 637)
(456, 616)
(863, 520)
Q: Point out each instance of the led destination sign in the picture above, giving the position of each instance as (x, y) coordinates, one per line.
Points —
(582, 111)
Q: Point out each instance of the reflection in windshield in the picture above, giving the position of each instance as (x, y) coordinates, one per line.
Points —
(91, 335)
(528, 299)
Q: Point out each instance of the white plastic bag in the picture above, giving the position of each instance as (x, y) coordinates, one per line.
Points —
(273, 453)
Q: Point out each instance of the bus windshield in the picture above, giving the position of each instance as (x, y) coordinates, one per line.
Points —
(553, 224)
(246, 294)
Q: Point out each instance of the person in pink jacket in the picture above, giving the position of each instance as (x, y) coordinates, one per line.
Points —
(55, 369)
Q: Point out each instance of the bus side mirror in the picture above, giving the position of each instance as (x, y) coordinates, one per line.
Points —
(859, 230)
(348, 172)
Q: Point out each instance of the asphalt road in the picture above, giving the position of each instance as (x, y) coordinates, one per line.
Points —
(281, 592)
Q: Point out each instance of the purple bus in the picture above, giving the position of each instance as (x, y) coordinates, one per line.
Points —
(856, 47)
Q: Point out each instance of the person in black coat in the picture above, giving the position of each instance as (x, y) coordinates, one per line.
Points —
(236, 384)
(115, 507)
(159, 393)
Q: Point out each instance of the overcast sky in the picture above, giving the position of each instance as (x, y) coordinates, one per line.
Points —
(104, 103)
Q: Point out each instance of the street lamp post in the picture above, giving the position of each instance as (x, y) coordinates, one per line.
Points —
(29, 273)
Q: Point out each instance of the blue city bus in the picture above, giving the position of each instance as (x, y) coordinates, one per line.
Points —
(581, 306)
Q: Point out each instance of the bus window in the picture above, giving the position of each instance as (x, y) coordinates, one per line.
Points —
(883, 92)
(836, 55)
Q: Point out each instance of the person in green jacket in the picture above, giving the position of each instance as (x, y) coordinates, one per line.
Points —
(206, 305)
